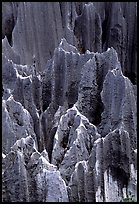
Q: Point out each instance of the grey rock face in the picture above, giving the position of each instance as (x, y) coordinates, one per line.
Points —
(105, 24)
(9, 52)
(29, 177)
(87, 95)
(99, 26)
(122, 109)
(105, 176)
(69, 94)
(37, 16)
(9, 17)
(25, 88)
(89, 37)
(73, 141)
(17, 123)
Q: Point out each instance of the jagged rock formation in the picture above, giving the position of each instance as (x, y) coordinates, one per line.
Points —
(73, 141)
(29, 177)
(17, 123)
(69, 129)
(87, 25)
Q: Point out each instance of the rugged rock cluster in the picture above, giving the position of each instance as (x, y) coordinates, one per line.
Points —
(69, 118)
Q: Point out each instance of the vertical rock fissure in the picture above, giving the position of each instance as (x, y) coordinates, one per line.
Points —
(100, 106)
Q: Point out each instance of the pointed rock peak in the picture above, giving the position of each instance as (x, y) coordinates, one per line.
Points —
(67, 47)
(90, 61)
(5, 41)
(117, 71)
(9, 52)
(89, 4)
(74, 110)
(3, 155)
(112, 51)
(23, 144)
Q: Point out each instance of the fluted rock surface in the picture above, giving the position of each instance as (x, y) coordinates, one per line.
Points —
(119, 105)
(73, 141)
(17, 123)
(29, 177)
(88, 25)
(69, 112)
(106, 175)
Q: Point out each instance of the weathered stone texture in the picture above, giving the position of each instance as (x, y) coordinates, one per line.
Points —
(119, 105)
(17, 123)
(73, 141)
(69, 101)
(88, 25)
(29, 177)
(89, 37)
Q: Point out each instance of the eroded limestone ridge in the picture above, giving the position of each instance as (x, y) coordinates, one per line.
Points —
(69, 118)
(36, 29)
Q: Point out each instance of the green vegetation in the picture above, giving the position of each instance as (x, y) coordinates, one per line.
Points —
(129, 198)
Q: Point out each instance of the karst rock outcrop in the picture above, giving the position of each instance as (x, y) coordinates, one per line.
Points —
(69, 101)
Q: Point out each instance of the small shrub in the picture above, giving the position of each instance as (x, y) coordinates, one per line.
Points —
(129, 198)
